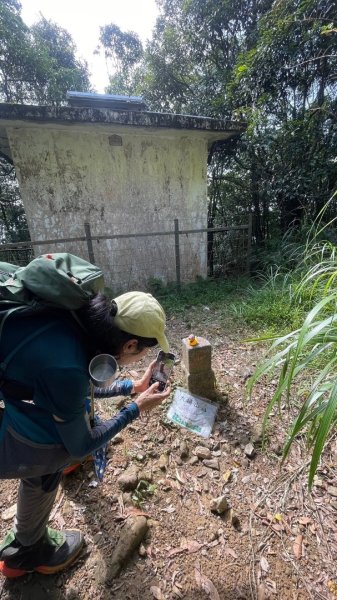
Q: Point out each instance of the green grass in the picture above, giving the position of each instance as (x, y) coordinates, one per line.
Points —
(263, 305)
(209, 292)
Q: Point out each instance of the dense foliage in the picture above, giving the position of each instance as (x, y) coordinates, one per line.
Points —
(123, 53)
(37, 66)
(272, 64)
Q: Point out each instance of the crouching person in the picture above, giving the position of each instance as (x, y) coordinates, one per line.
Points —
(44, 427)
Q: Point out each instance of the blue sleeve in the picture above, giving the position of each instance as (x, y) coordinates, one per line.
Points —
(79, 439)
(120, 387)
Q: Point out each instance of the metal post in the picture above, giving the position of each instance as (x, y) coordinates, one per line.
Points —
(177, 253)
(89, 242)
(249, 241)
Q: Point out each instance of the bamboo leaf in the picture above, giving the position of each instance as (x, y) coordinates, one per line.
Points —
(323, 430)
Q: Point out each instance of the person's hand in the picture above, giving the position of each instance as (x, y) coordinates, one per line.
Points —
(152, 398)
(142, 384)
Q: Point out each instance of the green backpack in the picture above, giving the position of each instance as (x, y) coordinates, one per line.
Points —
(56, 280)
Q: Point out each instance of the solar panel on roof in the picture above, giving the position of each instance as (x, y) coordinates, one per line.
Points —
(113, 101)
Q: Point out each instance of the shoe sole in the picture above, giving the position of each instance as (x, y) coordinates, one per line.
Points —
(43, 570)
(73, 468)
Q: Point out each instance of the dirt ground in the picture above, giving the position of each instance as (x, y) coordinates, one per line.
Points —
(278, 541)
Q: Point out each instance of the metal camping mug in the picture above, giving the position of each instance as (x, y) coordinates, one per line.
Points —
(103, 370)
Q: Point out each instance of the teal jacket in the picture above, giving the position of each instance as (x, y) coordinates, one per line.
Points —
(54, 366)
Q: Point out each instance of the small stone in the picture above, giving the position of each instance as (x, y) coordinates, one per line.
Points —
(118, 439)
(213, 463)
(246, 479)
(163, 462)
(247, 374)
(213, 536)
(71, 593)
(183, 450)
(142, 550)
(129, 479)
(277, 448)
(193, 461)
(202, 452)
(97, 537)
(257, 434)
(127, 499)
(140, 457)
(219, 505)
(249, 450)
(332, 490)
(145, 476)
(235, 521)
(9, 513)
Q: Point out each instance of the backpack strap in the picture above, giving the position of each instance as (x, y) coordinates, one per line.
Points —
(9, 312)
(4, 364)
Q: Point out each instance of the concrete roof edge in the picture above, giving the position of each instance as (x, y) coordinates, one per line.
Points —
(71, 114)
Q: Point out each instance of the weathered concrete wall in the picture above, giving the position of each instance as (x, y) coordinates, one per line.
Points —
(72, 175)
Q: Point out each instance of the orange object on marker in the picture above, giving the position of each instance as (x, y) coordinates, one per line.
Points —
(192, 340)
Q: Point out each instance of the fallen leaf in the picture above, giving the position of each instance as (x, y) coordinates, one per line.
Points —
(156, 592)
(297, 547)
(227, 476)
(176, 551)
(190, 546)
(264, 564)
(193, 546)
(179, 477)
(177, 592)
(261, 592)
(332, 585)
(305, 520)
(207, 585)
(231, 552)
(271, 584)
(169, 509)
(9, 513)
(214, 543)
(174, 575)
(197, 486)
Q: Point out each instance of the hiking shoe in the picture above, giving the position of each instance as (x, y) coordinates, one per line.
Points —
(51, 554)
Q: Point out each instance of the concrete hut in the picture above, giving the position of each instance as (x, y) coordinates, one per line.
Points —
(109, 162)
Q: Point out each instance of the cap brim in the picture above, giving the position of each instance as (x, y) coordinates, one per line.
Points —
(163, 343)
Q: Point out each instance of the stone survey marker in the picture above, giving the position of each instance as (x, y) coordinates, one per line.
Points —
(190, 408)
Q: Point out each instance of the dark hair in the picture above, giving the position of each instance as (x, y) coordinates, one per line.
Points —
(98, 319)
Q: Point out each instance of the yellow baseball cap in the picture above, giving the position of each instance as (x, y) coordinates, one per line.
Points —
(141, 314)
